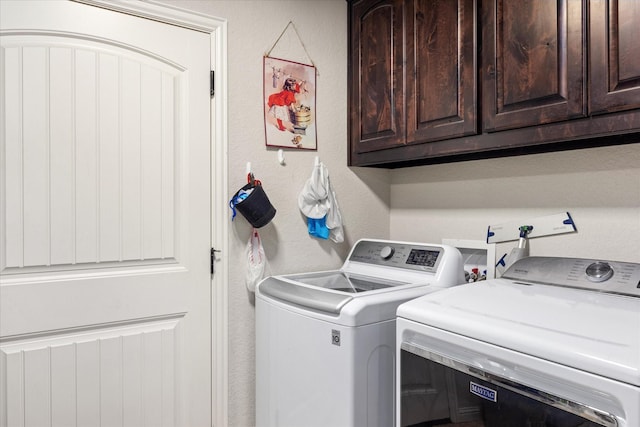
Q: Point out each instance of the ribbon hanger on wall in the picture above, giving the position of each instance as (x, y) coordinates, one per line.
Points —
(292, 25)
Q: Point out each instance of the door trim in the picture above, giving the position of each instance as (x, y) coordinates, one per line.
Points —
(217, 29)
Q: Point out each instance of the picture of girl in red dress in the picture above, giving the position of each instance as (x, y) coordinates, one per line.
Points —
(289, 103)
(280, 104)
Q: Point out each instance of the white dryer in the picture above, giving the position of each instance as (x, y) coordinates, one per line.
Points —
(554, 342)
(325, 341)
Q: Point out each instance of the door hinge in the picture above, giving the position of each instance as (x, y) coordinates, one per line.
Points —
(213, 259)
(212, 83)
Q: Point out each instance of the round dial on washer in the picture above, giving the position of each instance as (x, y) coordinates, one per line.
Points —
(387, 252)
(599, 272)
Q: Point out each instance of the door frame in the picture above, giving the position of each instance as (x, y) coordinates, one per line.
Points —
(217, 30)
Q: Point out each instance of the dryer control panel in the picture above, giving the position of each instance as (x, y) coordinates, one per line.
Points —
(411, 256)
(596, 275)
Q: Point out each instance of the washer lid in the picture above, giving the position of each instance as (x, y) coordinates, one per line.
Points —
(591, 331)
(305, 296)
(327, 291)
(344, 282)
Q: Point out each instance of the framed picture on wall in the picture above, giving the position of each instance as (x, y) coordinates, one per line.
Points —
(289, 104)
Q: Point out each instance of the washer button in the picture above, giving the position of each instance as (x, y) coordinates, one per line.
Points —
(599, 272)
(386, 252)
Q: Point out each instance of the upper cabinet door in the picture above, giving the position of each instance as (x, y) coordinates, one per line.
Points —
(376, 90)
(441, 69)
(532, 62)
(615, 55)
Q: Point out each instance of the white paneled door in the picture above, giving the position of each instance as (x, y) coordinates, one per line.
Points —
(105, 292)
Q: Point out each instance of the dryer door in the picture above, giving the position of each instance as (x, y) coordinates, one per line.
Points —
(473, 398)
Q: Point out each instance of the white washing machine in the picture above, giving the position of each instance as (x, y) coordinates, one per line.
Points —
(325, 341)
(554, 342)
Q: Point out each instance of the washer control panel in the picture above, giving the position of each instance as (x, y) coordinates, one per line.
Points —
(597, 275)
(411, 256)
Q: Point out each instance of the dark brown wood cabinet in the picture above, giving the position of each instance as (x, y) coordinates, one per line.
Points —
(445, 80)
(377, 97)
(412, 72)
(440, 50)
(614, 42)
(533, 69)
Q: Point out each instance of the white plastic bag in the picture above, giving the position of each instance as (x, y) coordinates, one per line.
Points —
(334, 218)
(256, 261)
(317, 201)
(313, 200)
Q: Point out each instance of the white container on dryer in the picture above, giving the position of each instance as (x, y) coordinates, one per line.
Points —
(325, 341)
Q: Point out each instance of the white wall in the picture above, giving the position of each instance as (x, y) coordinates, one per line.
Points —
(363, 194)
(599, 187)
